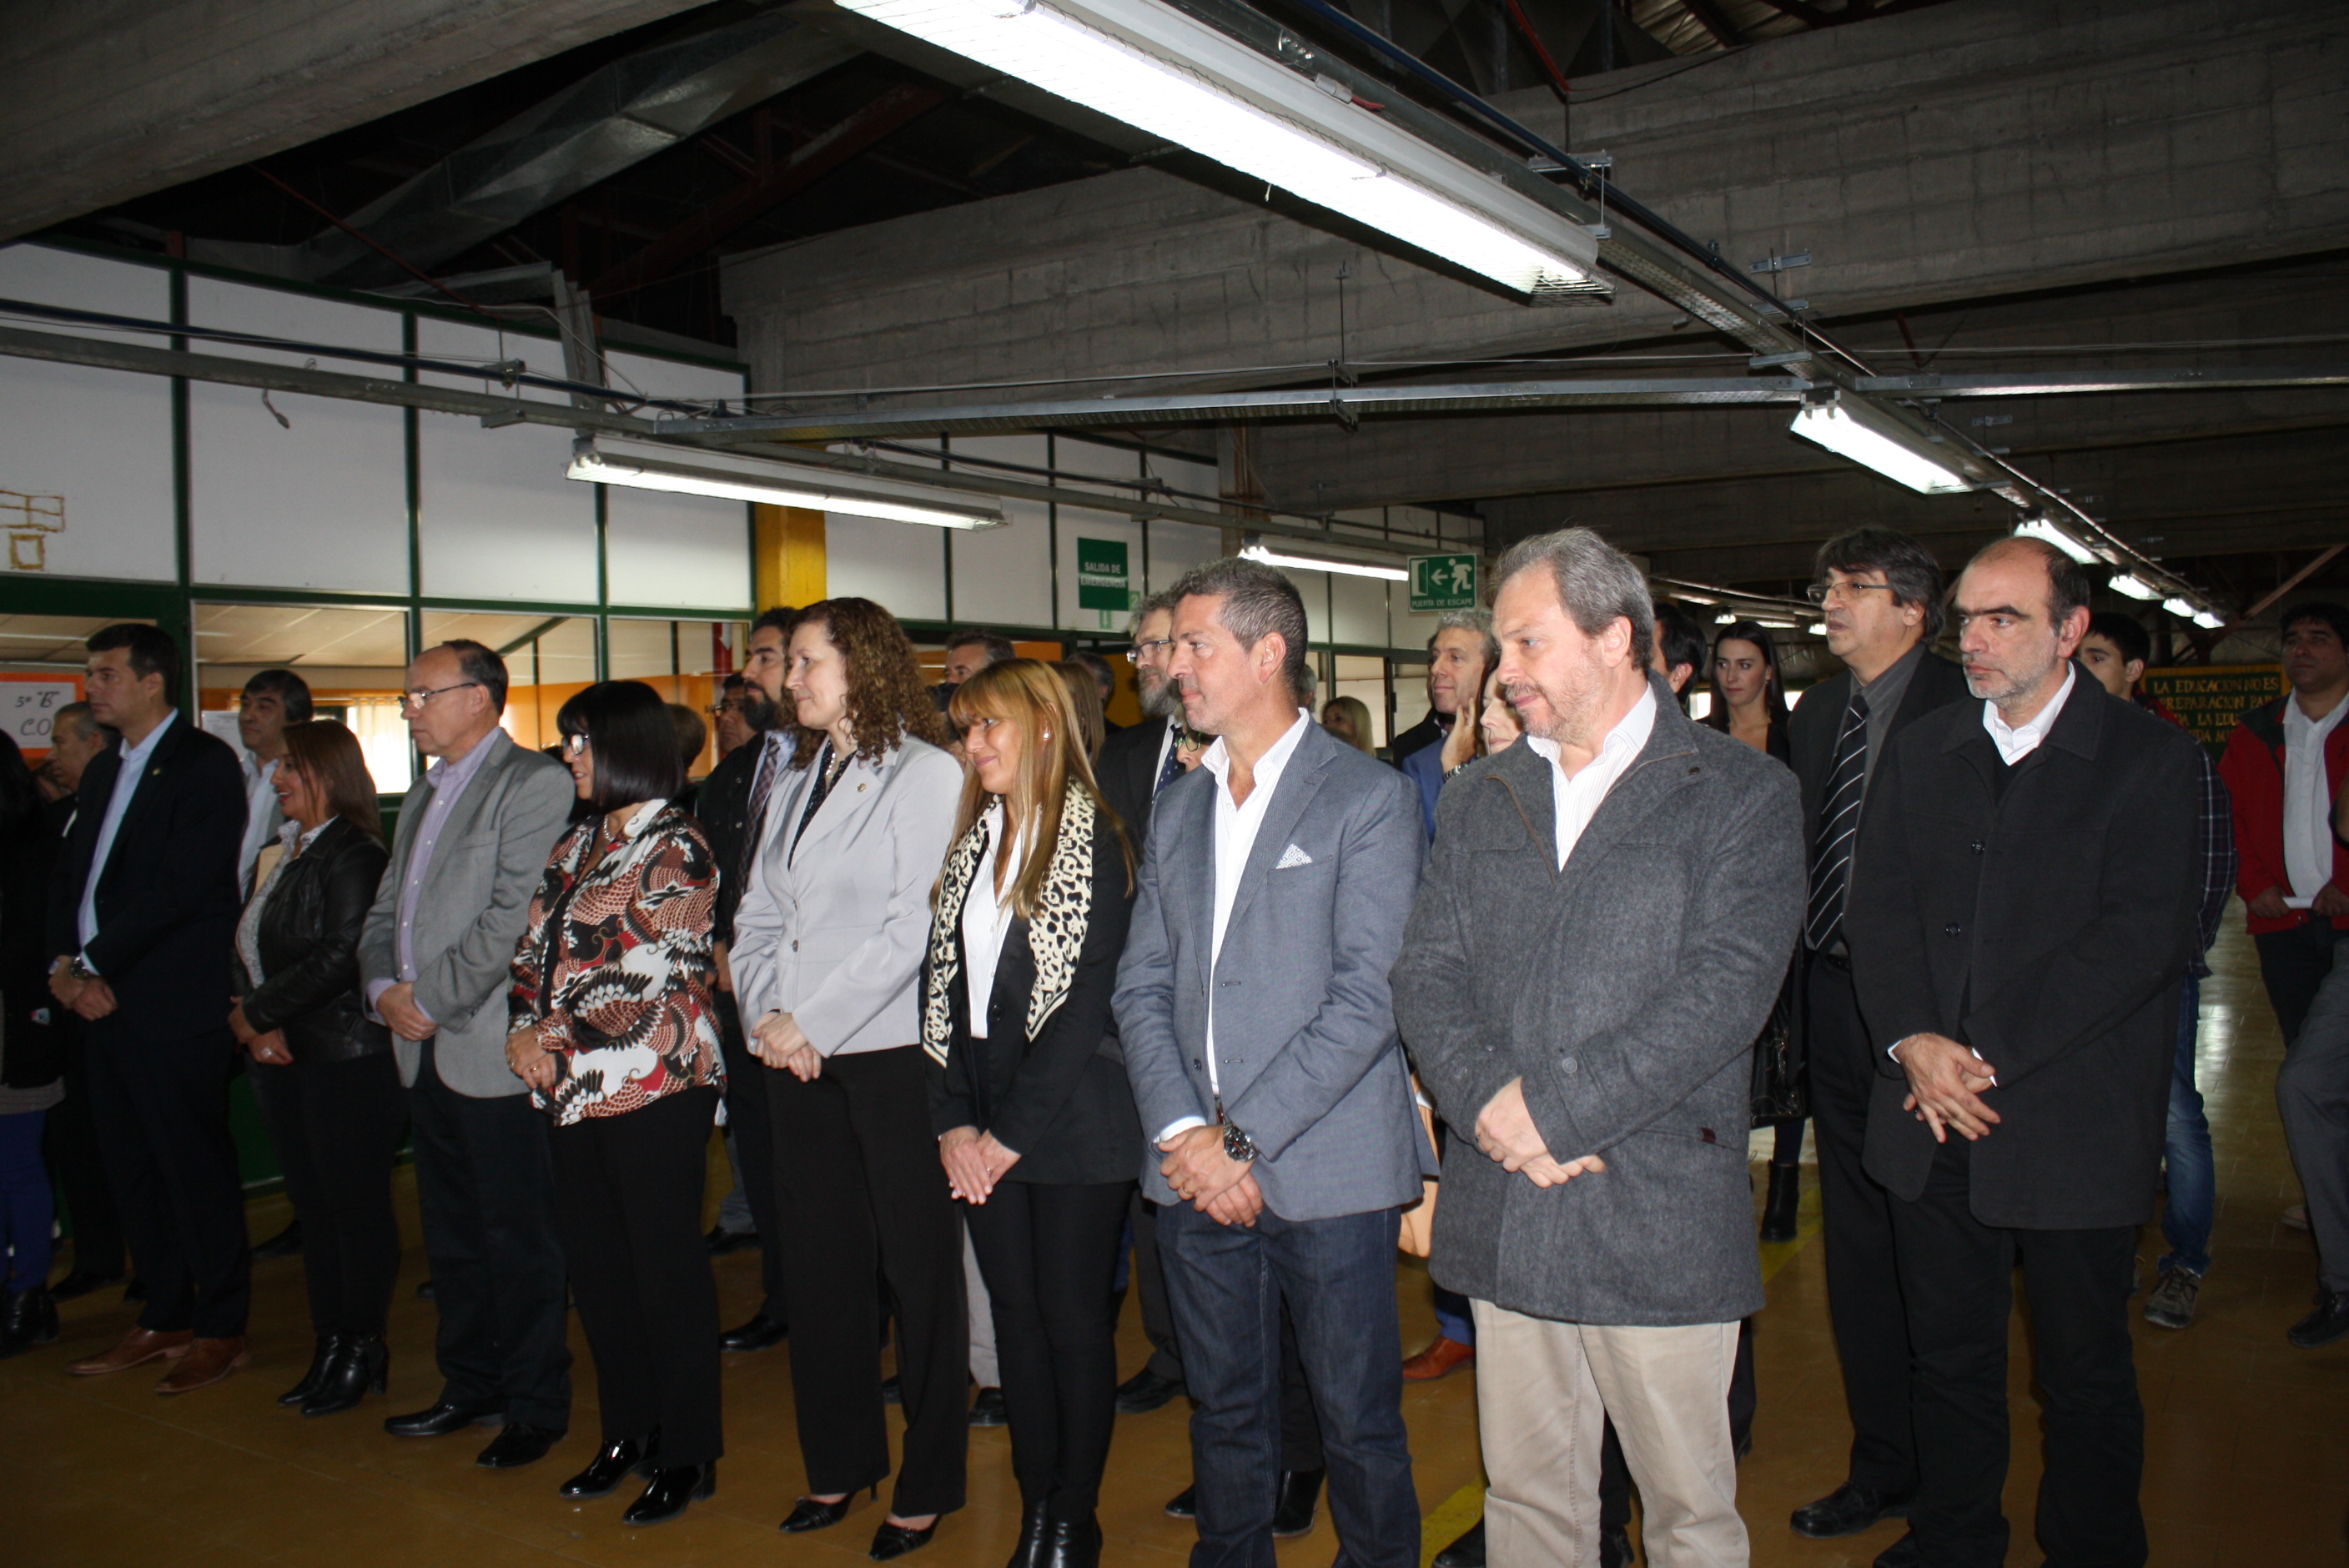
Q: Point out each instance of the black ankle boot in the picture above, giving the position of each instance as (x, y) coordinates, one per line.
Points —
(1029, 1550)
(360, 1365)
(321, 1359)
(1070, 1544)
(670, 1490)
(29, 1317)
(1778, 1208)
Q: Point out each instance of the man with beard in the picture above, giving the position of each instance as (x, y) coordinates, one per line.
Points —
(731, 809)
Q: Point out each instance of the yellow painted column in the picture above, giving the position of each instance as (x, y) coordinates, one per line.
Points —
(790, 560)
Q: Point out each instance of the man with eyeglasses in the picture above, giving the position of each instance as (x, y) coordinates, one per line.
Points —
(434, 961)
(1879, 592)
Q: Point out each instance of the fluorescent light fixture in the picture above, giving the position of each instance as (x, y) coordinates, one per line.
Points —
(2039, 528)
(1726, 618)
(2207, 620)
(781, 484)
(1178, 78)
(1818, 628)
(1776, 626)
(1255, 550)
(2183, 608)
(1873, 438)
(2135, 586)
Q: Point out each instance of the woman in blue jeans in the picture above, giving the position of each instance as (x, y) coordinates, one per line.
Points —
(31, 1059)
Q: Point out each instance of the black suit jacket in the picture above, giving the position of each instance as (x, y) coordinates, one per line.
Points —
(723, 810)
(2048, 929)
(1419, 737)
(167, 897)
(1127, 769)
(1811, 729)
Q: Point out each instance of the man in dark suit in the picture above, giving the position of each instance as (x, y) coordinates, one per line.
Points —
(1880, 594)
(726, 815)
(142, 916)
(2023, 919)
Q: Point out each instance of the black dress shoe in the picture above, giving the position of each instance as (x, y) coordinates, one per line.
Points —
(440, 1420)
(1786, 1196)
(1468, 1551)
(1031, 1537)
(518, 1443)
(1846, 1511)
(1615, 1547)
(424, 1291)
(1070, 1544)
(81, 1282)
(27, 1317)
(894, 1541)
(359, 1365)
(893, 1392)
(763, 1330)
(670, 1490)
(722, 1240)
(322, 1358)
(285, 1243)
(1902, 1553)
(987, 1410)
(809, 1514)
(1145, 1391)
(1183, 1505)
(611, 1466)
(1300, 1491)
(2328, 1323)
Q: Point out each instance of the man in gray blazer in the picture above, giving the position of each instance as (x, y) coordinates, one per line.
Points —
(1603, 927)
(474, 838)
(1259, 1037)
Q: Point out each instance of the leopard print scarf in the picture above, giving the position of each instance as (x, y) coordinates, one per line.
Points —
(1056, 933)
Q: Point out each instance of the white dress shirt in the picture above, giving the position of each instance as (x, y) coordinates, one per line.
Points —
(2307, 802)
(986, 921)
(2016, 742)
(126, 785)
(1236, 822)
(1579, 794)
(261, 814)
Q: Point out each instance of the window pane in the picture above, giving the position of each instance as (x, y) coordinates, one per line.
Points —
(41, 663)
(548, 658)
(683, 661)
(354, 661)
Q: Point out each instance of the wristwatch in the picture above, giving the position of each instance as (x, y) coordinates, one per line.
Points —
(81, 970)
(1237, 1145)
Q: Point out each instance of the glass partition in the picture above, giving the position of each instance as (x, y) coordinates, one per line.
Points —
(354, 659)
(548, 657)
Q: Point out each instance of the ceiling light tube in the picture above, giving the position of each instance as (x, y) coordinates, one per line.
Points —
(2183, 608)
(1873, 438)
(1818, 628)
(778, 485)
(2209, 621)
(2039, 528)
(2135, 586)
(1255, 549)
(1151, 66)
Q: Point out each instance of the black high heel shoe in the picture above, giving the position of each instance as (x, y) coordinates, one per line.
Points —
(808, 1514)
(671, 1490)
(358, 1365)
(612, 1465)
(330, 1346)
(1031, 1538)
(893, 1541)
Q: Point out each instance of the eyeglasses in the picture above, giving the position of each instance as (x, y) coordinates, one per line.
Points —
(1817, 592)
(574, 745)
(1155, 648)
(417, 697)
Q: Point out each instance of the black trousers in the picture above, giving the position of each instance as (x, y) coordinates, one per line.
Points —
(864, 1202)
(72, 1146)
(1959, 1278)
(485, 1191)
(630, 1210)
(747, 1115)
(2293, 964)
(1048, 1253)
(1150, 1287)
(162, 1111)
(1864, 1295)
(336, 1127)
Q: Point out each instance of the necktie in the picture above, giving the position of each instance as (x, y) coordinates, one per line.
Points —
(762, 784)
(1838, 823)
(1172, 769)
(827, 774)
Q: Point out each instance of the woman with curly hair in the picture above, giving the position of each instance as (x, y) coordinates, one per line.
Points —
(611, 1024)
(828, 943)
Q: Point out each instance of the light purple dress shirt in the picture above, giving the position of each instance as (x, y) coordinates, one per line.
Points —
(448, 781)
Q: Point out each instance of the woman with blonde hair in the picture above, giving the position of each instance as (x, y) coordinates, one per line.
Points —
(1348, 718)
(1084, 702)
(1037, 1127)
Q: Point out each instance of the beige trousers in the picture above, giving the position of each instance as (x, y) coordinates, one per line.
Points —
(1543, 1390)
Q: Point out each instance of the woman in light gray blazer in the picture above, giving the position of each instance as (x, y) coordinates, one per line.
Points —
(828, 945)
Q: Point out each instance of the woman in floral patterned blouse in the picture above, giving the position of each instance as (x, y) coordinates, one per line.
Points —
(614, 1030)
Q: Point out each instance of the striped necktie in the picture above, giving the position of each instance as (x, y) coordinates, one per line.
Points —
(1172, 769)
(762, 785)
(1839, 824)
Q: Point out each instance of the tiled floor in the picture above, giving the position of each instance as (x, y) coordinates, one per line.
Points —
(2247, 1452)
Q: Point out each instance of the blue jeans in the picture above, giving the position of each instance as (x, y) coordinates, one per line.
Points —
(2193, 1175)
(1226, 1286)
(26, 1211)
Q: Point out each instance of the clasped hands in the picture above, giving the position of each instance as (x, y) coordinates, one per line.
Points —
(1506, 1134)
(780, 1043)
(975, 1162)
(265, 1046)
(1212, 1182)
(1945, 1084)
(531, 1060)
(92, 999)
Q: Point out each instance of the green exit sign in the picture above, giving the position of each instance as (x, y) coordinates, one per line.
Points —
(1443, 583)
(1102, 580)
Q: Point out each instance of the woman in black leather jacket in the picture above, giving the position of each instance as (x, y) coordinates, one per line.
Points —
(338, 1126)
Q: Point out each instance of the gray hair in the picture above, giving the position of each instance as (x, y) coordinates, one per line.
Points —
(1146, 608)
(1257, 602)
(1597, 584)
(1479, 621)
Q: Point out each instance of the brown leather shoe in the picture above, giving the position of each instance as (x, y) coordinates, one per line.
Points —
(206, 1362)
(136, 1348)
(1437, 1359)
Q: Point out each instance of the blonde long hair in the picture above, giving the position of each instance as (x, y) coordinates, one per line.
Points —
(1029, 696)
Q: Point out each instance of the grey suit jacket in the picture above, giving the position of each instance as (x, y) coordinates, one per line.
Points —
(475, 903)
(1305, 1035)
(1625, 991)
(835, 933)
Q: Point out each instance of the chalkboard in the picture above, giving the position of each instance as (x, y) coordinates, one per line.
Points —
(2210, 699)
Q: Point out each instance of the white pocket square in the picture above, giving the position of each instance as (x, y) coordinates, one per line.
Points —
(1292, 856)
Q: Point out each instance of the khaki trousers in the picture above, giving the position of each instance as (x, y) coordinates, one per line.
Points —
(1544, 1390)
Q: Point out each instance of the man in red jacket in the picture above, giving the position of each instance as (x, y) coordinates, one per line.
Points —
(2284, 763)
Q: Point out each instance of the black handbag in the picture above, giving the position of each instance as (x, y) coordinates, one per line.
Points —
(1781, 1089)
